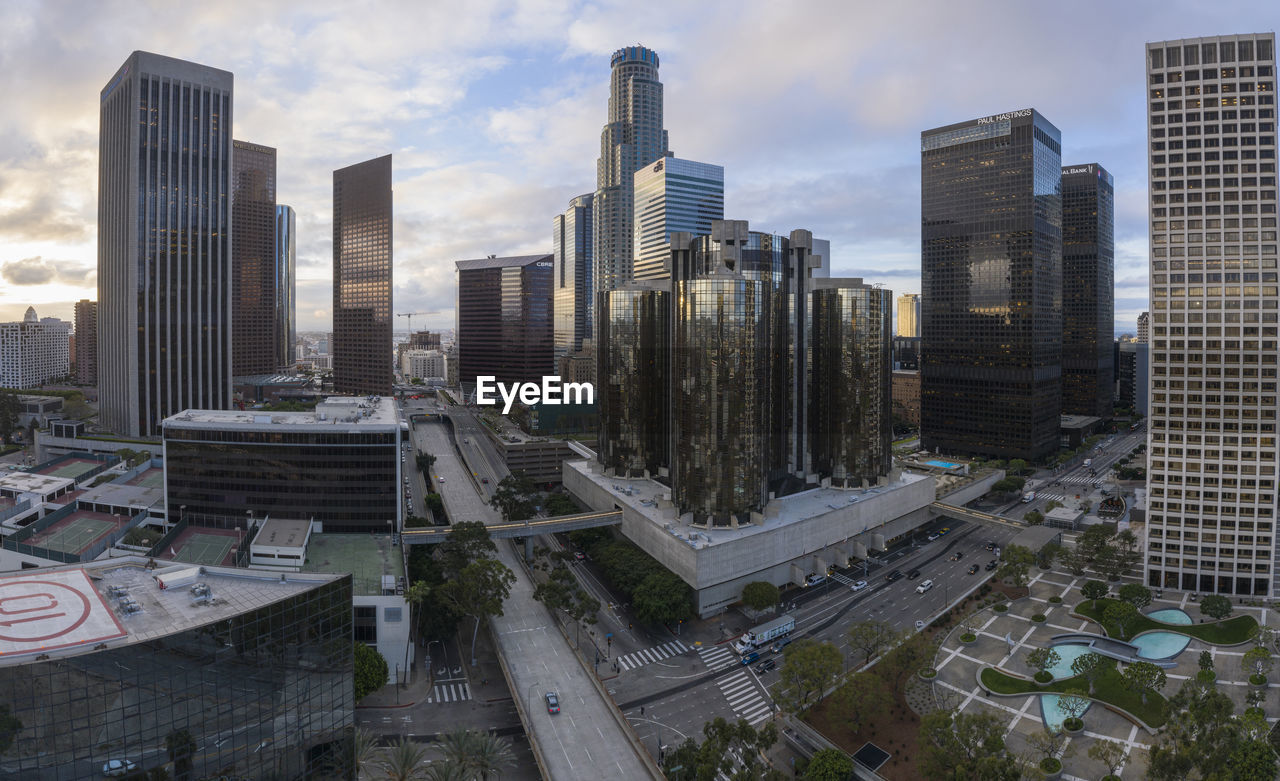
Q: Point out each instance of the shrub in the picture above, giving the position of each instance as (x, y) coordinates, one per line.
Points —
(1257, 680)
(928, 672)
(968, 637)
(1044, 676)
(1051, 764)
(1073, 724)
(1039, 618)
(1056, 600)
(1002, 608)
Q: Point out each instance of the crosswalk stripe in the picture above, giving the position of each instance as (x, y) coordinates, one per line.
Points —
(737, 688)
(750, 696)
(650, 655)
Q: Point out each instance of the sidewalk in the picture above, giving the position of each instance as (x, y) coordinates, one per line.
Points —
(484, 680)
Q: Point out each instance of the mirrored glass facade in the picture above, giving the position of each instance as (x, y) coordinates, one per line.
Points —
(505, 326)
(571, 238)
(265, 694)
(673, 195)
(632, 392)
(164, 242)
(1088, 290)
(851, 404)
(991, 234)
(253, 259)
(286, 317)
(362, 278)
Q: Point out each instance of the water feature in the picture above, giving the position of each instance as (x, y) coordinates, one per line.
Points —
(1051, 713)
(1160, 645)
(1066, 655)
(1171, 615)
(944, 464)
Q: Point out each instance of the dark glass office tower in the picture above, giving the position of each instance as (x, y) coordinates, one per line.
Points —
(571, 238)
(253, 260)
(991, 236)
(286, 328)
(1088, 293)
(504, 319)
(634, 353)
(362, 267)
(851, 401)
(164, 242)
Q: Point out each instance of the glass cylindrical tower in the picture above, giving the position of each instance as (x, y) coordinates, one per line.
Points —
(633, 359)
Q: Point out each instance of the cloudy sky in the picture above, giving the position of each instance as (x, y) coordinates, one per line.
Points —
(493, 113)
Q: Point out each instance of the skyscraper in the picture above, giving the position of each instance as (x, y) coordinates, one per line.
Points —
(1211, 471)
(253, 260)
(362, 352)
(571, 237)
(34, 351)
(164, 242)
(909, 315)
(504, 319)
(991, 265)
(286, 262)
(672, 195)
(1144, 327)
(632, 138)
(1088, 293)
(86, 342)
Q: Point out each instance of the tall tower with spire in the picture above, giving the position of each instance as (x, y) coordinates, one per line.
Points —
(631, 139)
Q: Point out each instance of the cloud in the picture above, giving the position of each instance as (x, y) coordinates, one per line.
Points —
(38, 271)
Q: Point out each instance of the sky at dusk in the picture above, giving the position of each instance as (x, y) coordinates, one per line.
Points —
(493, 112)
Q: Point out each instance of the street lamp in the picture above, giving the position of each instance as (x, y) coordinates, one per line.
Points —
(529, 697)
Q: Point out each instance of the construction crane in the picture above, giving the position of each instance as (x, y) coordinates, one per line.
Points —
(409, 317)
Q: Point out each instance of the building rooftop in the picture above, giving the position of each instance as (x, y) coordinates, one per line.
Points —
(1077, 421)
(283, 532)
(368, 557)
(648, 497)
(98, 600)
(124, 495)
(271, 379)
(511, 262)
(333, 411)
(33, 482)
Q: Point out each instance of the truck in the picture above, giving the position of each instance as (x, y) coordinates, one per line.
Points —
(1029, 497)
(178, 577)
(762, 635)
(1088, 462)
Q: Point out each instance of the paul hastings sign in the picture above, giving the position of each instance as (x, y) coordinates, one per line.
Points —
(1026, 112)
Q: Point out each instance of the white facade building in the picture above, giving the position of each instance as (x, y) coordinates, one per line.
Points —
(34, 351)
(424, 364)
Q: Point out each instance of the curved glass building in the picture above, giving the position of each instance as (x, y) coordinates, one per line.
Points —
(850, 401)
(634, 358)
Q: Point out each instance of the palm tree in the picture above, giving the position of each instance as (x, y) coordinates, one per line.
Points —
(406, 762)
(480, 752)
(364, 750)
(448, 771)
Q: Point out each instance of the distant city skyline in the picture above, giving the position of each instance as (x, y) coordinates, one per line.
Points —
(503, 118)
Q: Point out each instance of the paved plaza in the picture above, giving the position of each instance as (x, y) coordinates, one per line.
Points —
(1004, 639)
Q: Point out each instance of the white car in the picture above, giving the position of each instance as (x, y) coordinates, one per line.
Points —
(117, 768)
(858, 586)
(441, 479)
(924, 586)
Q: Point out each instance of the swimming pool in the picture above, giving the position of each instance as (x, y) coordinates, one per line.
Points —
(1171, 615)
(944, 464)
(1066, 655)
(1052, 714)
(1160, 645)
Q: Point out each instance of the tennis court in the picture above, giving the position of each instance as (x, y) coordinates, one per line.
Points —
(75, 536)
(72, 469)
(152, 478)
(205, 548)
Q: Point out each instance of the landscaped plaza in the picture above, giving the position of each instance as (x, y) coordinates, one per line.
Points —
(985, 667)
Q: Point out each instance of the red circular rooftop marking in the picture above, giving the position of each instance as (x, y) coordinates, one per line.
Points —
(36, 610)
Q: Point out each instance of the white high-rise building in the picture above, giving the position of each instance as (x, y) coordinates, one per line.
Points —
(631, 139)
(909, 315)
(424, 364)
(1211, 473)
(672, 195)
(34, 351)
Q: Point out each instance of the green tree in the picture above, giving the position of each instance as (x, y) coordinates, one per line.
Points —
(1200, 734)
(182, 749)
(371, 670)
(1216, 606)
(829, 764)
(1008, 485)
(662, 598)
(1093, 539)
(808, 669)
(560, 504)
(478, 591)
(425, 461)
(561, 591)
(1034, 518)
(1073, 560)
(965, 746)
(861, 698)
(482, 753)
(1048, 745)
(514, 497)
(1090, 666)
(1042, 659)
(364, 754)
(406, 761)
(1144, 678)
(1017, 466)
(1257, 661)
(1206, 661)
(760, 595)
(1135, 594)
(1073, 703)
(1110, 754)
(9, 411)
(1015, 565)
(1127, 540)
(1121, 615)
(1252, 759)
(1110, 562)
(872, 638)
(1095, 590)
(725, 744)
(907, 658)
(466, 542)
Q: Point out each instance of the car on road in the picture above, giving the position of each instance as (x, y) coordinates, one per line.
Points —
(814, 580)
(933, 537)
(990, 546)
(973, 569)
(117, 768)
(957, 556)
(750, 657)
(765, 666)
(913, 574)
(579, 555)
(859, 585)
(892, 576)
(553, 702)
(924, 586)
(992, 564)
(441, 479)
(919, 625)
(484, 480)
(944, 531)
